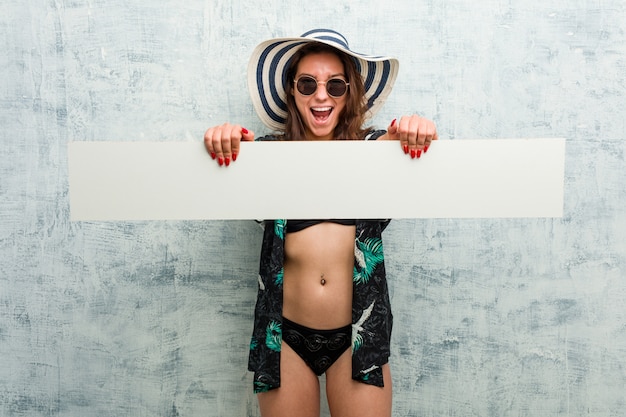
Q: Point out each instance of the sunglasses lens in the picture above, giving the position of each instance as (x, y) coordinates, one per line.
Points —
(336, 87)
(306, 86)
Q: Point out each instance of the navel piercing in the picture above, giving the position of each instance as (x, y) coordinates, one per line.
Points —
(323, 281)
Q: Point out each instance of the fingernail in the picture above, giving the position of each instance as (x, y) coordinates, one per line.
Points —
(405, 148)
(213, 155)
(425, 149)
(234, 156)
(220, 161)
(244, 131)
(393, 122)
(413, 153)
(419, 153)
(227, 161)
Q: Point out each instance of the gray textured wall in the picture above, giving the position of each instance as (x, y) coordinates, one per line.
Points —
(493, 317)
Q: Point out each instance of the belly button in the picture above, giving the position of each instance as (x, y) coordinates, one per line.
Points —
(322, 281)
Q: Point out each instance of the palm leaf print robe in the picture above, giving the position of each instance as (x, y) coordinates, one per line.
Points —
(371, 311)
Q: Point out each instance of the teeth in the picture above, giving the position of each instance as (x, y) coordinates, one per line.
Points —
(321, 108)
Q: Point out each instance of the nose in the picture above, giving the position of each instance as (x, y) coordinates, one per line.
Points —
(320, 92)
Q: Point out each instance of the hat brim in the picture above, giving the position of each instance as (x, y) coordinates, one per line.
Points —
(269, 63)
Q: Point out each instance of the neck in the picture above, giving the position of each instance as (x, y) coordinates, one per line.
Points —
(310, 136)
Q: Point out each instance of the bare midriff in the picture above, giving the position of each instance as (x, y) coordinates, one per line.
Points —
(318, 267)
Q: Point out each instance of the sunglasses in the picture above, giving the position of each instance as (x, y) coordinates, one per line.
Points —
(335, 87)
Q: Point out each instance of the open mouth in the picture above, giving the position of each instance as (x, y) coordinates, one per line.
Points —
(321, 114)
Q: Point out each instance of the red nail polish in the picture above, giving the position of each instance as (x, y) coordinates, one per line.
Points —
(234, 156)
(244, 131)
(413, 154)
(419, 153)
(227, 162)
(393, 122)
(405, 148)
(425, 149)
(213, 155)
(220, 161)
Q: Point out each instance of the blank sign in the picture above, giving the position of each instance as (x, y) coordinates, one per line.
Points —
(331, 179)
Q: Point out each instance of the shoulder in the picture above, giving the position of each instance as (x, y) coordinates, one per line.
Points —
(374, 134)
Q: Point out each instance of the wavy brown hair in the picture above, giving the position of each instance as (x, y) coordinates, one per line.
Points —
(353, 116)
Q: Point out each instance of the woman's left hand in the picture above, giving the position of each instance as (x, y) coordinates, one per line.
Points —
(415, 134)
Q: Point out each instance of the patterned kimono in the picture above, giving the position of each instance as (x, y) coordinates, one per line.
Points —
(371, 311)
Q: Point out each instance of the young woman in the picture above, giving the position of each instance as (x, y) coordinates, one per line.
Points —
(323, 304)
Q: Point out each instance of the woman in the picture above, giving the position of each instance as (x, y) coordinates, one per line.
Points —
(323, 304)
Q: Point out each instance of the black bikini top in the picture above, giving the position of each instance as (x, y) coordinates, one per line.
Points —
(297, 225)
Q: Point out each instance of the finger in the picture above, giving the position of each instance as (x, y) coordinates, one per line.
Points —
(217, 142)
(392, 132)
(247, 136)
(230, 137)
(427, 132)
(422, 134)
(208, 142)
(401, 128)
(432, 135)
(410, 128)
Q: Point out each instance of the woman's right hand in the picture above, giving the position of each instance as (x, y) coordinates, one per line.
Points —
(222, 142)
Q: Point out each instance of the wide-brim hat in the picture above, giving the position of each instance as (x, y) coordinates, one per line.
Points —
(270, 60)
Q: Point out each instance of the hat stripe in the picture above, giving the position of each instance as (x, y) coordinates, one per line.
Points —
(381, 85)
(261, 84)
(332, 40)
(280, 76)
(368, 76)
(328, 35)
(276, 107)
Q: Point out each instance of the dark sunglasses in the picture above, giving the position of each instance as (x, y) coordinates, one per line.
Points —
(335, 87)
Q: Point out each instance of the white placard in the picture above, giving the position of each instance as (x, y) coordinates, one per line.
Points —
(306, 180)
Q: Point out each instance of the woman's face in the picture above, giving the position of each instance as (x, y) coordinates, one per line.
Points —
(320, 111)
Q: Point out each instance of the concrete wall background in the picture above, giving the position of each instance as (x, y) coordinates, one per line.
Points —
(494, 317)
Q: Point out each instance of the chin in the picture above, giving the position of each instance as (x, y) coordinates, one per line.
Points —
(322, 133)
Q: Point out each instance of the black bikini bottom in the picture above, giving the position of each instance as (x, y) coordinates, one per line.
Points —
(319, 349)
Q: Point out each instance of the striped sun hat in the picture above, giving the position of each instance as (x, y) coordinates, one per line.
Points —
(267, 72)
